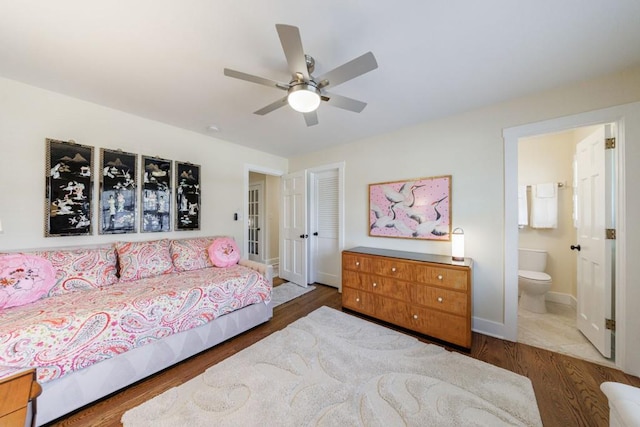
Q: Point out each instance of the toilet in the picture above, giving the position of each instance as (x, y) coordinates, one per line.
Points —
(533, 282)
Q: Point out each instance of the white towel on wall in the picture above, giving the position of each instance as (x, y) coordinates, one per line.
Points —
(544, 205)
(523, 208)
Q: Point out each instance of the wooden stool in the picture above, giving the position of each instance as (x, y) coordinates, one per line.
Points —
(16, 392)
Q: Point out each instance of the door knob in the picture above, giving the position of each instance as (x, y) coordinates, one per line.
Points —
(575, 248)
(315, 234)
(304, 236)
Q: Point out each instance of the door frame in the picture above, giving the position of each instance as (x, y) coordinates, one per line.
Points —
(245, 203)
(511, 136)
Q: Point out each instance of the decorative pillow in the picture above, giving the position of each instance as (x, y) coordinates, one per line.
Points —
(144, 259)
(191, 254)
(224, 252)
(24, 279)
(81, 269)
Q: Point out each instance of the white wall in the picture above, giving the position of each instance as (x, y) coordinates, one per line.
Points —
(470, 147)
(273, 218)
(29, 115)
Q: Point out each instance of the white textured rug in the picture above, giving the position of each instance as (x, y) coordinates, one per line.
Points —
(288, 291)
(333, 369)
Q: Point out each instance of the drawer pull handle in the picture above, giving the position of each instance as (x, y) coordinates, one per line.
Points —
(375, 284)
(439, 276)
(357, 263)
(357, 299)
(440, 299)
(415, 316)
(393, 269)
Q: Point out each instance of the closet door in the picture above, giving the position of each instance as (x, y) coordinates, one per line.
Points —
(325, 227)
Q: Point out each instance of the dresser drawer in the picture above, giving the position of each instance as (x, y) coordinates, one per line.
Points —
(356, 280)
(14, 393)
(356, 262)
(16, 418)
(358, 300)
(441, 299)
(393, 268)
(444, 326)
(392, 311)
(441, 276)
(392, 288)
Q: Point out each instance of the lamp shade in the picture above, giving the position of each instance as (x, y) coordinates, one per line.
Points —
(304, 98)
(457, 244)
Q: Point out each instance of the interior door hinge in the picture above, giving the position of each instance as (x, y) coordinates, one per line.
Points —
(610, 233)
(610, 324)
(609, 143)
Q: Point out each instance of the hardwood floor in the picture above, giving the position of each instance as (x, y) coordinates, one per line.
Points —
(567, 389)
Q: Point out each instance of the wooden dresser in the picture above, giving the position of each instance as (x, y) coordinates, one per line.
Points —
(429, 294)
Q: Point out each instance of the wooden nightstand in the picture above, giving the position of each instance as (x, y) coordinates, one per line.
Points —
(15, 393)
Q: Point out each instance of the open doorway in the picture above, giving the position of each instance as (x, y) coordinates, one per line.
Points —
(547, 230)
(262, 215)
(617, 115)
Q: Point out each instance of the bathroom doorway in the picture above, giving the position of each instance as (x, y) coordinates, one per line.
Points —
(549, 159)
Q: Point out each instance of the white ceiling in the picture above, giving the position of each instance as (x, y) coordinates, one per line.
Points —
(164, 59)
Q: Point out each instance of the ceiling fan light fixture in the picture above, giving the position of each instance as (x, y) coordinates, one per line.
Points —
(304, 97)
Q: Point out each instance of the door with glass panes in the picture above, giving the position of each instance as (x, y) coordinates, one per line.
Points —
(254, 221)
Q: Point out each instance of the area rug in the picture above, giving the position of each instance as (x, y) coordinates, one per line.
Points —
(333, 369)
(288, 291)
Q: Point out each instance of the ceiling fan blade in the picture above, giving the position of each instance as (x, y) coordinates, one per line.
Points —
(254, 79)
(354, 68)
(344, 102)
(292, 46)
(311, 118)
(273, 106)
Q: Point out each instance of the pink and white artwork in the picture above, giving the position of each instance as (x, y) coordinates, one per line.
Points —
(415, 209)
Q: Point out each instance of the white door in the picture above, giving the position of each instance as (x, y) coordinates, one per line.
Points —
(593, 249)
(255, 223)
(293, 229)
(324, 226)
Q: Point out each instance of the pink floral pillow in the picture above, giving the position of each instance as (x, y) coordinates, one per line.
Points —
(81, 269)
(144, 259)
(24, 279)
(191, 254)
(224, 252)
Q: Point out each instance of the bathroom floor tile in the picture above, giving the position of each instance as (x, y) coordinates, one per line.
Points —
(556, 331)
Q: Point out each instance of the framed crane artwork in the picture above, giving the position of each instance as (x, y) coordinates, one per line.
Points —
(412, 209)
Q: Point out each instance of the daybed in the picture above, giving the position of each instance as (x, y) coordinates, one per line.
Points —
(116, 314)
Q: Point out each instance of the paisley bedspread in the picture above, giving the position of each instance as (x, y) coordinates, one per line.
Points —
(66, 333)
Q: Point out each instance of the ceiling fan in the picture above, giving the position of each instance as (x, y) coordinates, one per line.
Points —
(305, 92)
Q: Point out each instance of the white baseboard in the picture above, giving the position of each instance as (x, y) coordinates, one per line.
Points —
(488, 327)
(561, 298)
